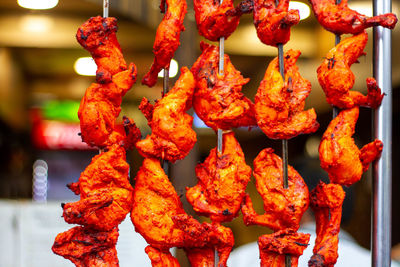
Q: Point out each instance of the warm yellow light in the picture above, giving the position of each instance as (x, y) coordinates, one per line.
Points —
(85, 66)
(36, 24)
(173, 69)
(38, 4)
(364, 8)
(304, 9)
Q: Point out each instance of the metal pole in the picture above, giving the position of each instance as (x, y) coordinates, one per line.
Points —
(382, 168)
(105, 8)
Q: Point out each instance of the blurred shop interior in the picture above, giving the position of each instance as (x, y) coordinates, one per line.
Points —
(40, 92)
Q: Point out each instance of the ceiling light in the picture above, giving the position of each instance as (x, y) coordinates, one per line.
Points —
(38, 4)
(173, 69)
(304, 9)
(85, 66)
(36, 24)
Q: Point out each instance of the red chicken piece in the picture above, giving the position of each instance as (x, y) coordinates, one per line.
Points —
(279, 104)
(101, 106)
(215, 20)
(326, 202)
(338, 153)
(222, 182)
(283, 207)
(273, 21)
(97, 35)
(85, 247)
(275, 247)
(172, 135)
(218, 99)
(158, 216)
(161, 258)
(105, 191)
(336, 77)
(167, 38)
(340, 19)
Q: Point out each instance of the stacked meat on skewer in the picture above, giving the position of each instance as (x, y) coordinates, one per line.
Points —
(104, 187)
(338, 153)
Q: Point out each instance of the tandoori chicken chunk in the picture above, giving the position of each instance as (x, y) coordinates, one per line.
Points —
(167, 38)
(283, 207)
(100, 107)
(336, 77)
(88, 248)
(218, 99)
(275, 247)
(273, 21)
(98, 36)
(161, 258)
(158, 216)
(215, 20)
(105, 191)
(172, 135)
(223, 178)
(326, 202)
(338, 153)
(340, 19)
(279, 104)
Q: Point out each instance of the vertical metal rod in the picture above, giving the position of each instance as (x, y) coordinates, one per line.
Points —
(105, 8)
(288, 258)
(284, 142)
(335, 110)
(382, 168)
(166, 81)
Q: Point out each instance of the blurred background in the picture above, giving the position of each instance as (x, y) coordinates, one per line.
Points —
(40, 91)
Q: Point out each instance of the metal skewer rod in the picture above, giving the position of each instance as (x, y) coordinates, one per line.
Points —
(105, 15)
(335, 110)
(105, 8)
(165, 163)
(288, 258)
(284, 142)
(382, 168)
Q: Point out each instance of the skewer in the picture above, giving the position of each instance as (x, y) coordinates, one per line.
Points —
(165, 163)
(105, 15)
(335, 110)
(105, 8)
(288, 258)
(219, 131)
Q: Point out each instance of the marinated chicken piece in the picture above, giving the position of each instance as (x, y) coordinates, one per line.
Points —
(97, 35)
(279, 105)
(100, 107)
(274, 247)
(161, 258)
(340, 19)
(326, 202)
(338, 153)
(222, 182)
(336, 77)
(273, 21)
(215, 20)
(283, 207)
(158, 216)
(218, 99)
(167, 38)
(86, 247)
(218, 238)
(172, 135)
(201, 257)
(105, 191)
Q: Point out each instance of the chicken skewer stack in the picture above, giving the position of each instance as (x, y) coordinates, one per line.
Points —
(279, 104)
(218, 101)
(104, 188)
(157, 212)
(339, 155)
